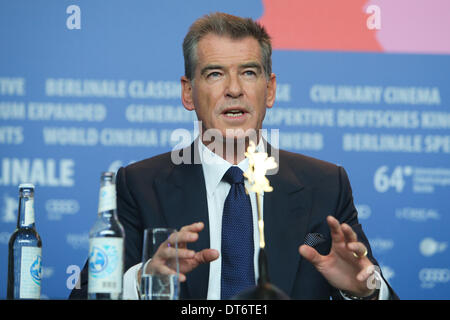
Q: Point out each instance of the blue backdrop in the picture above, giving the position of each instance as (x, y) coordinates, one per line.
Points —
(89, 88)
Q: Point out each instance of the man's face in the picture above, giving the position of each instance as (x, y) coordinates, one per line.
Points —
(230, 90)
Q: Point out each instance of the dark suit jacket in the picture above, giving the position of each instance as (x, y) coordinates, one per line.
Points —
(157, 193)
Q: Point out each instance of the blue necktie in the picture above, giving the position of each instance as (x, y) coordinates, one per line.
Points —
(237, 237)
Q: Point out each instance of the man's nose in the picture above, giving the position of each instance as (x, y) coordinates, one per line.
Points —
(234, 87)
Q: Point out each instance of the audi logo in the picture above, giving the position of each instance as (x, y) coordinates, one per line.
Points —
(62, 206)
(434, 275)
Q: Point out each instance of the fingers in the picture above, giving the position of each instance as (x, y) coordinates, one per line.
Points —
(195, 227)
(187, 234)
(349, 234)
(310, 254)
(206, 255)
(358, 248)
(171, 252)
(368, 272)
(153, 267)
(188, 259)
(337, 235)
(341, 232)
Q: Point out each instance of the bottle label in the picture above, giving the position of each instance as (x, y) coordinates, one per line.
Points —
(30, 273)
(29, 212)
(105, 265)
(107, 198)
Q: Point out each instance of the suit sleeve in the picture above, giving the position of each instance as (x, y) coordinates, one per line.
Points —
(129, 216)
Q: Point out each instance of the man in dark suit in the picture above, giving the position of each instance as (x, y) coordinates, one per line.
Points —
(315, 245)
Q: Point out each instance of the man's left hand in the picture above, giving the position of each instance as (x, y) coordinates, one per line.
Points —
(346, 267)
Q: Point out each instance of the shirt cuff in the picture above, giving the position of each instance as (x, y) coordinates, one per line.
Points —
(130, 283)
(384, 290)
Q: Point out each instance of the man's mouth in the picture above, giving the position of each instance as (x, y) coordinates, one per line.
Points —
(234, 112)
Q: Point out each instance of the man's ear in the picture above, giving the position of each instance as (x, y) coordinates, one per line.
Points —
(271, 90)
(186, 94)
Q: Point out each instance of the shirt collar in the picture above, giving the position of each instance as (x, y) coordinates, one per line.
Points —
(214, 166)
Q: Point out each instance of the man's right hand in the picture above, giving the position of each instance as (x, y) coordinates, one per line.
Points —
(188, 259)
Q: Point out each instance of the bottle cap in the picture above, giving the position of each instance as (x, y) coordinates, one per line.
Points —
(108, 176)
(26, 186)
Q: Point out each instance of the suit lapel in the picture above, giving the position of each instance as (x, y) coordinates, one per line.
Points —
(286, 214)
(183, 201)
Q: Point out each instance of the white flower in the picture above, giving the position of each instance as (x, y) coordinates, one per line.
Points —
(259, 163)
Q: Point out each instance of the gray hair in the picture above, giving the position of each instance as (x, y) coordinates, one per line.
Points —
(223, 24)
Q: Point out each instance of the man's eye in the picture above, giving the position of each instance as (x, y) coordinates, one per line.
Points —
(249, 73)
(214, 74)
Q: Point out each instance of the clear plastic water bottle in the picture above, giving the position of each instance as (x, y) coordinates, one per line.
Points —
(106, 246)
(25, 251)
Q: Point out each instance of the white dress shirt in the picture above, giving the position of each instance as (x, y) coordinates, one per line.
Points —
(214, 168)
